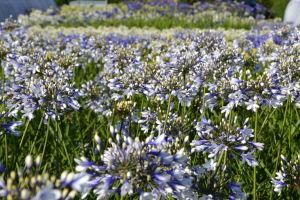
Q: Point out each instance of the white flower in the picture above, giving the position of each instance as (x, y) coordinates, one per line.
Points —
(246, 132)
(84, 164)
(80, 183)
(210, 165)
(206, 197)
(278, 185)
(251, 105)
(249, 159)
(126, 188)
(47, 193)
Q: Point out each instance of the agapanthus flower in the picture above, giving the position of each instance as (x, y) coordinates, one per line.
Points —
(226, 137)
(149, 165)
(98, 99)
(8, 126)
(210, 183)
(288, 176)
(43, 94)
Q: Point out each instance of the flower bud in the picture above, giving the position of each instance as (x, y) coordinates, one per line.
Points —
(69, 177)
(98, 139)
(128, 174)
(98, 147)
(38, 161)
(65, 193)
(63, 176)
(25, 194)
(28, 162)
(124, 145)
(112, 130)
(118, 138)
(186, 139)
(13, 175)
(130, 141)
(72, 194)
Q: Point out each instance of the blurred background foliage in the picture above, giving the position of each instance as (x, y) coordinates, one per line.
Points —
(277, 5)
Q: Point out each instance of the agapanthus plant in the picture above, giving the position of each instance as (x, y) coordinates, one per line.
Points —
(133, 167)
(212, 183)
(216, 139)
(288, 178)
(97, 96)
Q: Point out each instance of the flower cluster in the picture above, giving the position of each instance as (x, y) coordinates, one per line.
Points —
(37, 186)
(40, 82)
(234, 140)
(288, 176)
(133, 164)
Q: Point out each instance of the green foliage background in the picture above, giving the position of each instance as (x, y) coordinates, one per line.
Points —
(277, 5)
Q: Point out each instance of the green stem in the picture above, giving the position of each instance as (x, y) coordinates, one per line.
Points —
(124, 179)
(6, 156)
(217, 168)
(296, 112)
(290, 136)
(265, 121)
(112, 124)
(45, 144)
(195, 152)
(3, 109)
(67, 153)
(167, 114)
(184, 106)
(220, 159)
(254, 170)
(130, 124)
(230, 119)
(121, 126)
(3, 87)
(280, 143)
(56, 141)
(39, 128)
(95, 124)
(23, 136)
(138, 128)
(25, 131)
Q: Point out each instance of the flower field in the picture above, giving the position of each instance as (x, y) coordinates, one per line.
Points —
(115, 104)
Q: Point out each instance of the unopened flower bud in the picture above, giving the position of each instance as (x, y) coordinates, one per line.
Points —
(25, 194)
(63, 176)
(112, 130)
(118, 138)
(186, 139)
(38, 161)
(98, 147)
(13, 175)
(72, 194)
(65, 193)
(69, 177)
(128, 175)
(28, 162)
(98, 139)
